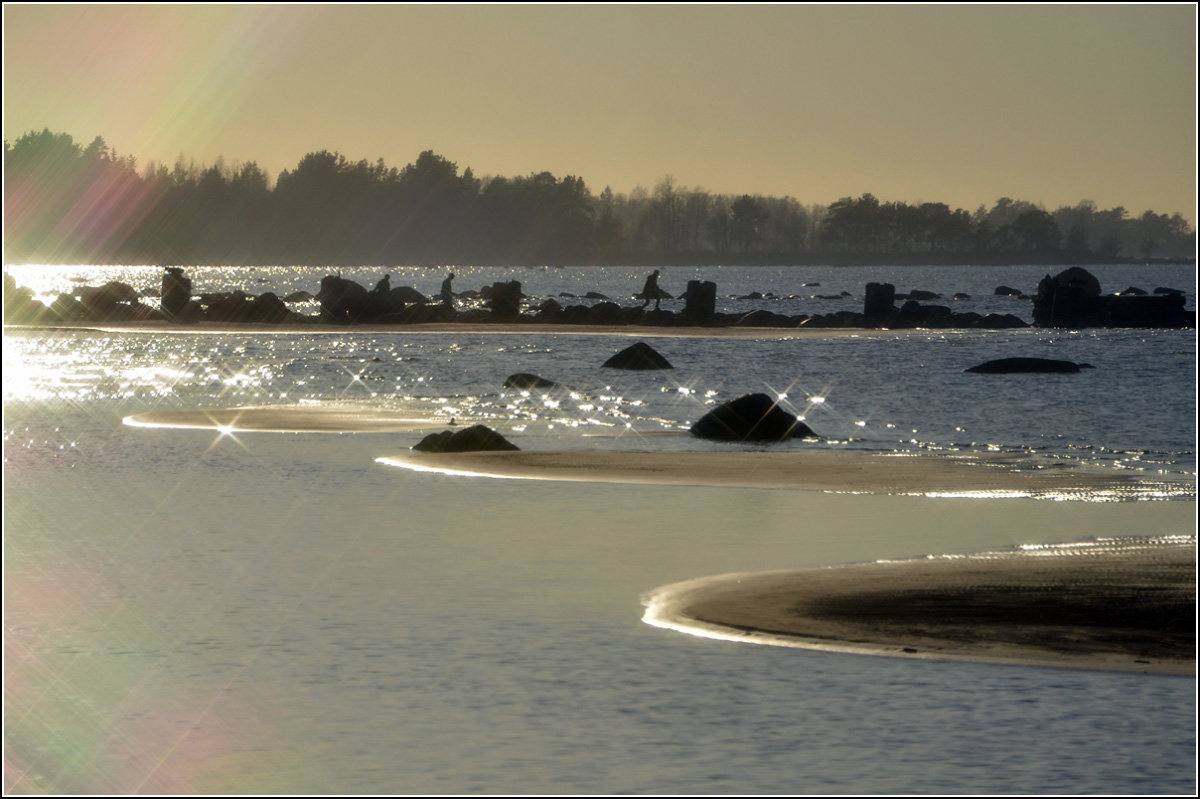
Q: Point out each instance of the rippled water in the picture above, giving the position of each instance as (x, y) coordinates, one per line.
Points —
(257, 613)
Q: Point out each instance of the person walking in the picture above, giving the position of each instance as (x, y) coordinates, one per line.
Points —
(447, 292)
(650, 291)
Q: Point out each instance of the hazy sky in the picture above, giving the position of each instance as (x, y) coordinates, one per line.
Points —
(959, 104)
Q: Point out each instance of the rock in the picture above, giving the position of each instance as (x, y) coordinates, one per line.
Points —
(526, 380)
(1072, 299)
(1080, 279)
(1168, 290)
(880, 302)
(176, 291)
(473, 439)
(761, 318)
(595, 295)
(1006, 291)
(342, 300)
(505, 301)
(961, 295)
(1132, 291)
(918, 294)
(700, 301)
(753, 417)
(640, 356)
(405, 295)
(1005, 366)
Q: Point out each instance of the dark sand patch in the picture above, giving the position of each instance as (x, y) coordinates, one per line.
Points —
(286, 419)
(929, 475)
(1102, 605)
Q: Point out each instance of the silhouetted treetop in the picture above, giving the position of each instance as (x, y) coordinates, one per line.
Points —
(71, 203)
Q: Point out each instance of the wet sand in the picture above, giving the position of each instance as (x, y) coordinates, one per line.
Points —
(1114, 606)
(1123, 607)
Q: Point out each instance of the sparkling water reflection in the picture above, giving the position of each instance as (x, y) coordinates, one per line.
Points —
(214, 611)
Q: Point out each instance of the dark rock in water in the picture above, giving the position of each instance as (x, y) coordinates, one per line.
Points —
(640, 356)
(473, 439)
(1072, 299)
(880, 302)
(919, 294)
(527, 380)
(406, 295)
(504, 299)
(761, 318)
(342, 300)
(753, 417)
(176, 291)
(700, 301)
(299, 296)
(1005, 366)
(595, 295)
(1006, 291)
(1132, 291)
(961, 295)
(1168, 290)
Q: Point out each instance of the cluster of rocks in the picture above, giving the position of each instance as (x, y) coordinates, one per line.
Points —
(1073, 299)
(1069, 299)
(751, 418)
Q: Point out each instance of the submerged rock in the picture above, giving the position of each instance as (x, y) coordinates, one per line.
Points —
(473, 439)
(1004, 366)
(526, 380)
(639, 356)
(753, 417)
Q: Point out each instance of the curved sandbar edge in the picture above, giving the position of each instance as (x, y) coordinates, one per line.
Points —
(926, 475)
(285, 419)
(1122, 608)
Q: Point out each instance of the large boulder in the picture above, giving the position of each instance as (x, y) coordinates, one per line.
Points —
(880, 302)
(343, 300)
(640, 357)
(700, 301)
(753, 417)
(176, 291)
(504, 299)
(476, 438)
(1004, 366)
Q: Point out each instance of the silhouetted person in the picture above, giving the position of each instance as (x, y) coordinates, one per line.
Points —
(650, 291)
(384, 286)
(447, 293)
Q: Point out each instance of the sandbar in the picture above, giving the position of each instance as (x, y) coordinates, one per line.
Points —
(460, 328)
(1107, 604)
(850, 472)
(286, 419)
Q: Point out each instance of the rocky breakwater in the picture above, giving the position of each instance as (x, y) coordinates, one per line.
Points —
(1073, 299)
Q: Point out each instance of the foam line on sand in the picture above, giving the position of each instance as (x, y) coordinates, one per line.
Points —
(286, 419)
(927, 475)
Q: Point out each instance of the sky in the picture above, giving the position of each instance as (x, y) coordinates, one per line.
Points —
(960, 104)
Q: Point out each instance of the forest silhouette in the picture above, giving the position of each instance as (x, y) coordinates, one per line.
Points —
(67, 203)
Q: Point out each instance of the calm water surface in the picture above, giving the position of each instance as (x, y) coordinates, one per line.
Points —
(263, 613)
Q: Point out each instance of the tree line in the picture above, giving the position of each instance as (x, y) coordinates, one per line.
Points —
(68, 203)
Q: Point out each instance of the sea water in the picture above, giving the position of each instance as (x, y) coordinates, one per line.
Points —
(196, 611)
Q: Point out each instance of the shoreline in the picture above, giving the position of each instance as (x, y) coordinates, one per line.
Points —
(946, 476)
(496, 328)
(1118, 607)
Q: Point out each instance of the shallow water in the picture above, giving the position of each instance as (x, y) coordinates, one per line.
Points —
(260, 613)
